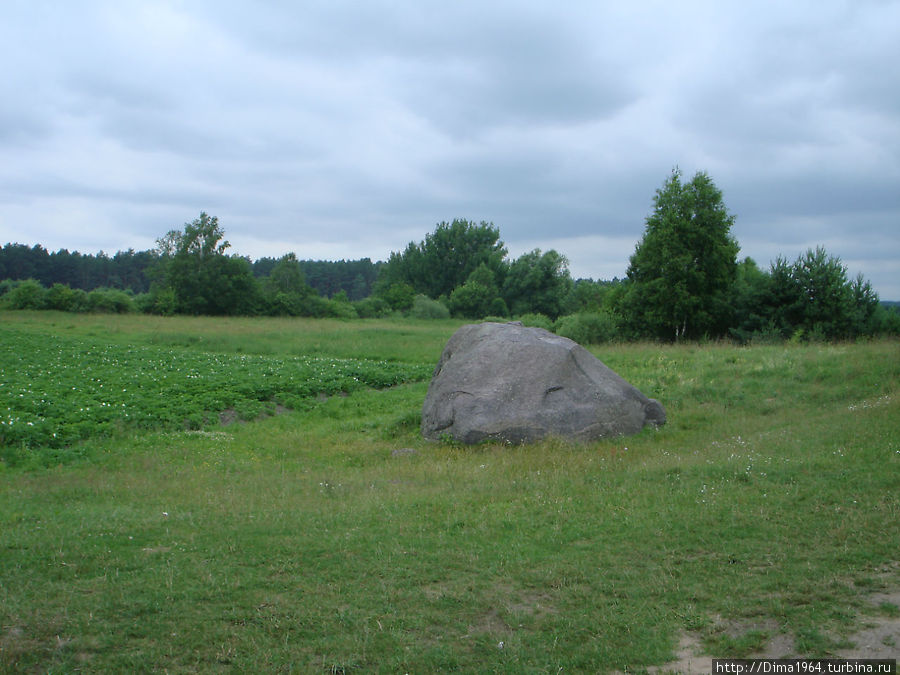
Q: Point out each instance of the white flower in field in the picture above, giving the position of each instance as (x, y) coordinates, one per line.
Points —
(165, 514)
(500, 644)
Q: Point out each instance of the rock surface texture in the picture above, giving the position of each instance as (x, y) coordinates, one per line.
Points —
(512, 383)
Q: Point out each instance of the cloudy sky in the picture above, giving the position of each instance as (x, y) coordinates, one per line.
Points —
(340, 129)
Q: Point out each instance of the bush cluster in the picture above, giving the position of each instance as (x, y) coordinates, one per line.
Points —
(30, 294)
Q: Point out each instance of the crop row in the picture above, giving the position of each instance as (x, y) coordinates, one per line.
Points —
(55, 390)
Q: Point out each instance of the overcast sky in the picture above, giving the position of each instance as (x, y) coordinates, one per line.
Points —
(348, 129)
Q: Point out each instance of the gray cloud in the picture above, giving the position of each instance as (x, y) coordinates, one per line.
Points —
(341, 129)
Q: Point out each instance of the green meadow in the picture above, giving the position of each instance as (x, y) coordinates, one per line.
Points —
(268, 505)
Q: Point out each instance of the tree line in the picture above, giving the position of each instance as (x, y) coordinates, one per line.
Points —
(124, 270)
(684, 281)
(131, 271)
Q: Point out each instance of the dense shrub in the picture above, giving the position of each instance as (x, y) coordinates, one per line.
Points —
(319, 307)
(498, 307)
(64, 299)
(340, 307)
(374, 307)
(537, 320)
(477, 297)
(399, 296)
(143, 303)
(6, 286)
(161, 301)
(424, 307)
(110, 301)
(769, 334)
(285, 304)
(887, 320)
(588, 327)
(27, 294)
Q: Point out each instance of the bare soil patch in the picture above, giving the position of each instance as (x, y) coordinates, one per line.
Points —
(878, 638)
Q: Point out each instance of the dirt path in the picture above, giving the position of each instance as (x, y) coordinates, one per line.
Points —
(879, 638)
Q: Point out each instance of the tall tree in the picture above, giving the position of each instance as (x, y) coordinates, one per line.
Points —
(475, 298)
(814, 296)
(446, 258)
(287, 277)
(202, 279)
(538, 282)
(285, 289)
(751, 299)
(682, 270)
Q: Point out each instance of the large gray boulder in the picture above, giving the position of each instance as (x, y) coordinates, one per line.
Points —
(512, 383)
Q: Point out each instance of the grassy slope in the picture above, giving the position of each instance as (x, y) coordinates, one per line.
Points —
(301, 543)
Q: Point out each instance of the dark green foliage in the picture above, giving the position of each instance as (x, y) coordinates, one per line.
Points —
(373, 307)
(28, 294)
(864, 309)
(340, 306)
(64, 299)
(751, 300)
(683, 268)
(446, 258)
(353, 277)
(886, 320)
(285, 290)
(537, 320)
(812, 298)
(109, 301)
(162, 301)
(683, 282)
(424, 307)
(202, 278)
(589, 327)
(587, 295)
(326, 277)
(125, 270)
(399, 296)
(287, 277)
(785, 303)
(823, 293)
(538, 282)
(475, 298)
(284, 304)
(471, 300)
(809, 299)
(196, 277)
(321, 308)
(498, 307)
(287, 293)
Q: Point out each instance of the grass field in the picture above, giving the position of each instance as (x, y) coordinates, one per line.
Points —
(57, 389)
(765, 510)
